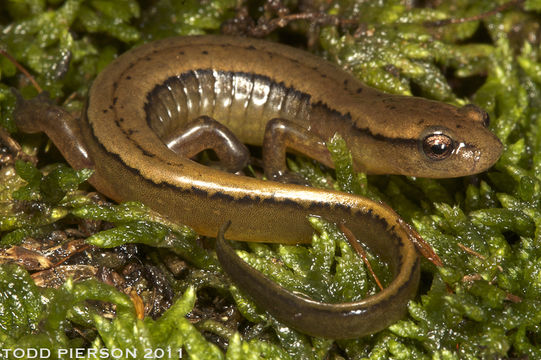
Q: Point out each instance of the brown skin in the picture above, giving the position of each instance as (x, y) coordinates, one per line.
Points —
(243, 84)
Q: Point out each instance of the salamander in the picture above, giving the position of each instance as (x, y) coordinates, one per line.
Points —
(157, 106)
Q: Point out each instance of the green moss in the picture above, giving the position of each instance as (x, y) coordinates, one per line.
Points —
(483, 303)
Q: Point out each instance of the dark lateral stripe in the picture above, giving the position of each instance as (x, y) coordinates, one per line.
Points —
(365, 131)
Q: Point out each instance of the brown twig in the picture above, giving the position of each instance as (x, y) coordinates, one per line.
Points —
(475, 277)
(471, 251)
(69, 98)
(266, 26)
(471, 278)
(277, 16)
(15, 147)
(317, 17)
(5, 137)
(477, 17)
(359, 249)
(422, 246)
(475, 253)
(513, 298)
(22, 69)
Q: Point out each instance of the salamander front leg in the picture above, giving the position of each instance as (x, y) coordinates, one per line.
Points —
(281, 135)
(206, 133)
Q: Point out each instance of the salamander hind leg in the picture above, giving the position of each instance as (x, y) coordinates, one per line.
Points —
(40, 114)
(206, 133)
(31, 116)
(281, 135)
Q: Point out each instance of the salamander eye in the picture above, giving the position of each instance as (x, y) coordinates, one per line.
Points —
(438, 146)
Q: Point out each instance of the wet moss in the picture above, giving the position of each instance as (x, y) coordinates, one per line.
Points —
(483, 303)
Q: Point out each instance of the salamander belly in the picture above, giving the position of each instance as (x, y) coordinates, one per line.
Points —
(242, 101)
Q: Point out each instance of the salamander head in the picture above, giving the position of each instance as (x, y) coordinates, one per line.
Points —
(435, 140)
(464, 147)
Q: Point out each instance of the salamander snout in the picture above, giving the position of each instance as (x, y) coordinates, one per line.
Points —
(475, 146)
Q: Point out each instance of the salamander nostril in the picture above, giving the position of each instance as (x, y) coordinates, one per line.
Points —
(486, 119)
(476, 114)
